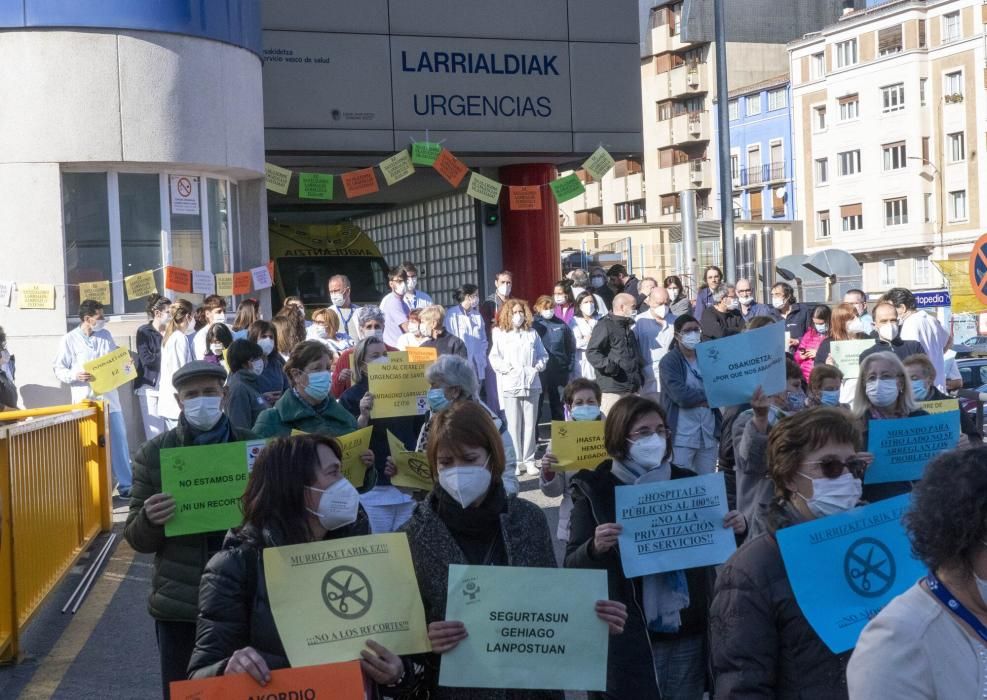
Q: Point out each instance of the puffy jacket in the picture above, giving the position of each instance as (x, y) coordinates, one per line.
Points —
(615, 355)
(291, 413)
(811, 340)
(243, 403)
(234, 608)
(447, 344)
(273, 377)
(676, 392)
(517, 357)
(630, 663)
(762, 645)
(559, 342)
(178, 561)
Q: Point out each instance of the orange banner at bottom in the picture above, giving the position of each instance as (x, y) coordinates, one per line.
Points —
(330, 681)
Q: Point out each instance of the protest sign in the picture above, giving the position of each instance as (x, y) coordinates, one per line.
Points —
(450, 168)
(203, 282)
(140, 285)
(314, 186)
(397, 167)
(420, 354)
(325, 682)
(672, 525)
(207, 482)
(35, 296)
(224, 284)
(566, 188)
(354, 445)
(940, 406)
(424, 152)
(524, 198)
(846, 355)
(549, 638)
(358, 183)
(598, 164)
(578, 444)
(733, 367)
(845, 568)
(414, 471)
(483, 188)
(329, 597)
(277, 178)
(399, 389)
(113, 369)
(97, 291)
(261, 277)
(397, 356)
(903, 446)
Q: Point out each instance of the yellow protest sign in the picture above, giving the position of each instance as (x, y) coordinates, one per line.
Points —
(422, 354)
(397, 167)
(354, 445)
(329, 597)
(578, 444)
(277, 178)
(97, 291)
(940, 406)
(110, 371)
(36, 296)
(140, 285)
(224, 284)
(413, 469)
(397, 356)
(399, 389)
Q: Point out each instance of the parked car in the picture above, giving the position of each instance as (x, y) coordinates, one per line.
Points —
(971, 346)
(973, 370)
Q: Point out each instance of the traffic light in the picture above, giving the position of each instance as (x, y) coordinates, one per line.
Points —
(491, 214)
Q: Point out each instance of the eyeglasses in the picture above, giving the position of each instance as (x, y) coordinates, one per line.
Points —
(642, 433)
(832, 467)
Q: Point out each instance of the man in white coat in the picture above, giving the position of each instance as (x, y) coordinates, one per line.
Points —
(655, 333)
(921, 327)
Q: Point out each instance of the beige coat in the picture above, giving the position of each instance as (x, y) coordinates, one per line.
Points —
(915, 648)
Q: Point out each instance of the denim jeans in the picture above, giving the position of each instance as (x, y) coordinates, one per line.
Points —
(681, 668)
(120, 451)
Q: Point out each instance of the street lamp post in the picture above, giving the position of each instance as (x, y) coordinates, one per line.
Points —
(940, 203)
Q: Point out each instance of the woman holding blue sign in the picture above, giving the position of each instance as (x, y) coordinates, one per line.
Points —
(662, 653)
(931, 641)
(762, 643)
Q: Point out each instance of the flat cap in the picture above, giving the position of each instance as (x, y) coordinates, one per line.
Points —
(197, 369)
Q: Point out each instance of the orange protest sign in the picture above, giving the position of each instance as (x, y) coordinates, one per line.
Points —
(178, 279)
(525, 198)
(329, 681)
(450, 167)
(422, 354)
(359, 183)
(241, 283)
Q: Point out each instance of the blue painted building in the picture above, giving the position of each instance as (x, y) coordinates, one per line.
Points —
(761, 162)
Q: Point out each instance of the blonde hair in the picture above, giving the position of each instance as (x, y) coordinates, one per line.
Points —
(180, 311)
(903, 405)
(329, 318)
(544, 302)
(507, 310)
(433, 314)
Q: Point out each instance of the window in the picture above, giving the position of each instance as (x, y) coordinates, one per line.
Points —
(849, 162)
(893, 97)
(957, 205)
(925, 149)
(777, 162)
(734, 110)
(757, 210)
(817, 65)
(753, 105)
(777, 99)
(950, 27)
(87, 242)
(676, 26)
(896, 211)
(957, 147)
(921, 33)
(822, 171)
(669, 204)
(753, 172)
(822, 224)
(630, 211)
(921, 271)
(846, 53)
(889, 277)
(889, 40)
(664, 111)
(778, 202)
(735, 167)
(927, 207)
(921, 90)
(820, 118)
(140, 228)
(894, 155)
(849, 107)
(952, 87)
(852, 217)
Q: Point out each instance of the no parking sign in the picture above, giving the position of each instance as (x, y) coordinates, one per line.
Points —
(978, 269)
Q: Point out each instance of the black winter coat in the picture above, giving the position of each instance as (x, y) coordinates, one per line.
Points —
(630, 663)
(148, 356)
(559, 342)
(798, 321)
(762, 645)
(234, 609)
(447, 344)
(615, 354)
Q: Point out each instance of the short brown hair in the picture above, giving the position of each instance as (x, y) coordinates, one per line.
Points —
(621, 416)
(465, 424)
(213, 302)
(792, 370)
(544, 302)
(821, 373)
(759, 322)
(795, 436)
(923, 361)
(504, 315)
(304, 354)
(581, 384)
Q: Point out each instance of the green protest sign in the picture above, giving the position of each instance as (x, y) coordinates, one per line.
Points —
(314, 186)
(425, 152)
(566, 188)
(599, 163)
(207, 482)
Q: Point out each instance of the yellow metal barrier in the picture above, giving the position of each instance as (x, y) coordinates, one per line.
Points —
(55, 497)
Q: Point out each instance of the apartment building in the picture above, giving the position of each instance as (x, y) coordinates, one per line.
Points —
(889, 113)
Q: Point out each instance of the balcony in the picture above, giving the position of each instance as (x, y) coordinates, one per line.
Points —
(627, 188)
(689, 79)
(757, 175)
(662, 41)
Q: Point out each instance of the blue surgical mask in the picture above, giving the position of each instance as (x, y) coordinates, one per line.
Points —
(830, 398)
(437, 400)
(919, 389)
(585, 412)
(318, 385)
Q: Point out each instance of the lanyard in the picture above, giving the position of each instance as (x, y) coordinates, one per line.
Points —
(345, 319)
(956, 607)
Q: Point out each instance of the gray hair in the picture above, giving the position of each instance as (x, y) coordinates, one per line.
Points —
(369, 313)
(721, 291)
(454, 371)
(579, 277)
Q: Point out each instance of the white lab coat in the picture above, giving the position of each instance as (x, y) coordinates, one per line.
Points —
(469, 327)
(582, 329)
(517, 356)
(932, 337)
(175, 354)
(74, 350)
(654, 341)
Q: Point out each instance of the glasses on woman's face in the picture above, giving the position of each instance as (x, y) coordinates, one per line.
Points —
(642, 433)
(832, 466)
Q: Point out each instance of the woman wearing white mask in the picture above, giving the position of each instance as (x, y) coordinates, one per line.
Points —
(661, 653)
(296, 494)
(695, 426)
(150, 337)
(370, 321)
(413, 338)
(176, 352)
(468, 519)
(930, 641)
(272, 382)
(582, 327)
(843, 325)
(922, 374)
(678, 300)
(243, 403)
(432, 327)
(325, 329)
(465, 322)
(883, 391)
(565, 302)
(518, 356)
(762, 643)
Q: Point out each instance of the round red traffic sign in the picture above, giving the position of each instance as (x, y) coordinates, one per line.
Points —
(978, 269)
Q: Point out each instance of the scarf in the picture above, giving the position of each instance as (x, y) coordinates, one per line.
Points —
(664, 595)
(476, 529)
(219, 433)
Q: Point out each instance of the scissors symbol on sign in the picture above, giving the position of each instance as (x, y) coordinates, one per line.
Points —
(869, 567)
(343, 585)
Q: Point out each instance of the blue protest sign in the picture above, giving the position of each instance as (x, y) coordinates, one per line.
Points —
(672, 525)
(903, 446)
(845, 568)
(933, 300)
(733, 367)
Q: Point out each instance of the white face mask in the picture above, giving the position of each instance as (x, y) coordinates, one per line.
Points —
(888, 332)
(588, 309)
(266, 344)
(400, 288)
(319, 331)
(337, 299)
(467, 483)
(831, 496)
(377, 333)
(691, 339)
(661, 310)
(855, 326)
(518, 320)
(220, 316)
(217, 349)
(746, 301)
(189, 328)
(203, 412)
(412, 284)
(338, 505)
(504, 289)
(882, 392)
(673, 293)
(648, 452)
(99, 325)
(257, 366)
(733, 303)
(426, 329)
(546, 314)
(165, 319)
(560, 299)
(777, 302)
(413, 328)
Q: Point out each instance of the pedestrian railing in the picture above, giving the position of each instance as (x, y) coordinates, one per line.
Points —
(55, 498)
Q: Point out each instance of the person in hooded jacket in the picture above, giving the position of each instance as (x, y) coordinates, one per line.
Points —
(296, 494)
(762, 644)
(560, 344)
(662, 652)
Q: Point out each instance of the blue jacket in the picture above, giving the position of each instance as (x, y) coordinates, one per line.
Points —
(559, 342)
(758, 309)
(675, 392)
